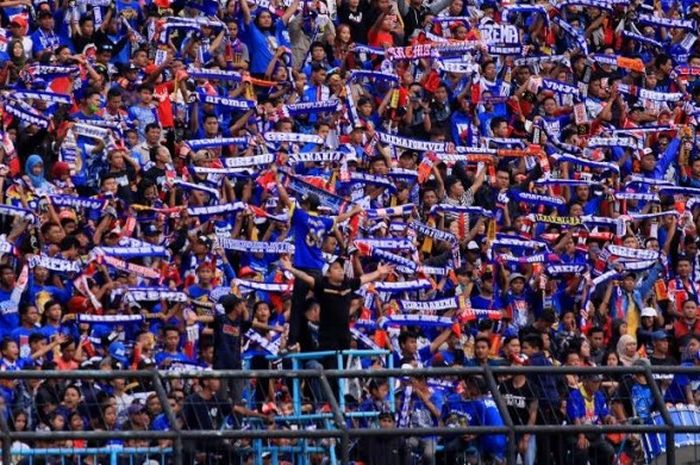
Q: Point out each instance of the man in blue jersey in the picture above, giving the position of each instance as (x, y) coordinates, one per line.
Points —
(474, 407)
(588, 405)
(309, 231)
(9, 316)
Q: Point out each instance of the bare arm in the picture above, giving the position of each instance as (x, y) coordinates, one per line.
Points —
(289, 12)
(287, 265)
(381, 270)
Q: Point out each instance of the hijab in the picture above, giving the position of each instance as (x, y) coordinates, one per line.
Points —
(622, 349)
(39, 180)
(18, 61)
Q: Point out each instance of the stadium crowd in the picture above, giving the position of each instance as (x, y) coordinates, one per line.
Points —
(207, 185)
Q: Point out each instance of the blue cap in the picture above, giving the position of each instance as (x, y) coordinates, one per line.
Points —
(117, 351)
(659, 335)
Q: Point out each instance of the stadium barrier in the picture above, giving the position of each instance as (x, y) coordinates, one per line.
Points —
(670, 427)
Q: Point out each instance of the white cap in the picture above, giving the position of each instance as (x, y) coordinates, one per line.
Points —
(472, 245)
(649, 311)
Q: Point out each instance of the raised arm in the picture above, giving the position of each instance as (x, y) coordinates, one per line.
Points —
(289, 12)
(381, 271)
(287, 265)
(284, 196)
(245, 9)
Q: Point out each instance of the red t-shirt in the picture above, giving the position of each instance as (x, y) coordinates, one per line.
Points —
(380, 39)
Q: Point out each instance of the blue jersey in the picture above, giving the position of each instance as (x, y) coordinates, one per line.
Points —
(9, 316)
(460, 412)
(309, 232)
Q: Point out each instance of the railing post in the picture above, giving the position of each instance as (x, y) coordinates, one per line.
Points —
(671, 428)
(503, 408)
(163, 397)
(6, 440)
(339, 421)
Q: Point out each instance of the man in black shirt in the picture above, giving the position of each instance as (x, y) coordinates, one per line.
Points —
(205, 410)
(522, 407)
(334, 292)
(228, 330)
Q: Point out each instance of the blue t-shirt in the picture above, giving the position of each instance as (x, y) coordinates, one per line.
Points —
(44, 41)
(264, 44)
(460, 412)
(9, 316)
(309, 232)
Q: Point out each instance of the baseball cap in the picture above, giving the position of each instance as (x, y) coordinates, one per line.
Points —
(659, 335)
(136, 407)
(19, 21)
(117, 351)
(106, 47)
(649, 311)
(592, 377)
(515, 276)
(472, 245)
(150, 229)
(44, 14)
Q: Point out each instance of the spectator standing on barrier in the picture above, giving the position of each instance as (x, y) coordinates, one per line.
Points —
(587, 405)
(228, 331)
(334, 293)
(309, 231)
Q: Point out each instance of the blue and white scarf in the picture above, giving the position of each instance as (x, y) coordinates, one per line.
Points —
(305, 108)
(316, 157)
(238, 104)
(188, 186)
(434, 233)
(55, 264)
(49, 97)
(293, 137)
(265, 287)
(538, 199)
(403, 286)
(255, 246)
(255, 160)
(648, 20)
(108, 319)
(213, 74)
(131, 252)
(402, 210)
(78, 202)
(198, 144)
(152, 294)
(216, 209)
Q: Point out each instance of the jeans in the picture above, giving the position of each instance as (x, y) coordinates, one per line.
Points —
(314, 383)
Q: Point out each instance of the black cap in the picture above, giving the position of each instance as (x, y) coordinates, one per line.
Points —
(313, 201)
(150, 229)
(44, 14)
(106, 47)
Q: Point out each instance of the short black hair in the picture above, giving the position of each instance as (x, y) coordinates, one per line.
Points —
(534, 340)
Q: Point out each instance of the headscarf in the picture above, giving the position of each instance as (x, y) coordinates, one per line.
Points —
(18, 61)
(38, 181)
(621, 350)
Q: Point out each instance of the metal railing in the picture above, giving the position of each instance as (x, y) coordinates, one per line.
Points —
(338, 429)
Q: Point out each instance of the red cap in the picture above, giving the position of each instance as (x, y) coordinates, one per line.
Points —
(19, 20)
(246, 271)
